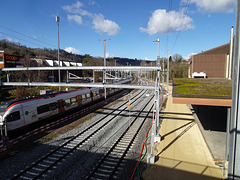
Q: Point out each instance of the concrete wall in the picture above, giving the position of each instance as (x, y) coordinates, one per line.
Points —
(214, 62)
(214, 65)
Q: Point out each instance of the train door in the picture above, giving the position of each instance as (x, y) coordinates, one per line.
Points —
(79, 100)
(101, 93)
(60, 106)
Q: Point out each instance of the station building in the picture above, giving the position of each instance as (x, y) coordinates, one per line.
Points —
(213, 63)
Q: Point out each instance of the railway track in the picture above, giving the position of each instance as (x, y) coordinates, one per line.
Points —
(17, 139)
(111, 163)
(41, 168)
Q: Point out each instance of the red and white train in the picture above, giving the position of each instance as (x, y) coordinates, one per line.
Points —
(19, 113)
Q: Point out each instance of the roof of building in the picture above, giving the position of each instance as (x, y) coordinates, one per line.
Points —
(223, 49)
(207, 91)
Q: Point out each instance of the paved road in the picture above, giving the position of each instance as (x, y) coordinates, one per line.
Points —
(183, 153)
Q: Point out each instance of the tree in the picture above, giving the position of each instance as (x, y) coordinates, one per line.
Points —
(28, 76)
(87, 60)
(177, 57)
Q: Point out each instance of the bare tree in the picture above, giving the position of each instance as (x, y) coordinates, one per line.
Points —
(29, 76)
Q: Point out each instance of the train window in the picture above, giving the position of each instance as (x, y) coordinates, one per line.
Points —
(73, 100)
(94, 94)
(79, 98)
(43, 109)
(83, 97)
(13, 116)
(67, 102)
(88, 95)
(53, 106)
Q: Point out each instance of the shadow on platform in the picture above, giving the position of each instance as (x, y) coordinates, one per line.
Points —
(171, 169)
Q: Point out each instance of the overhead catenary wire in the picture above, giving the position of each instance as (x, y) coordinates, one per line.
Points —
(169, 9)
(19, 33)
(22, 39)
(178, 33)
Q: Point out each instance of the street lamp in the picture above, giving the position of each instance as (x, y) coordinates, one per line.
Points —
(168, 73)
(157, 91)
(104, 71)
(155, 125)
(158, 57)
(59, 75)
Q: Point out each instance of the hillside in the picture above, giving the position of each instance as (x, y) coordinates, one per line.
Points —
(21, 50)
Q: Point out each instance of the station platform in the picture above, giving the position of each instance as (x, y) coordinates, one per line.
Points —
(182, 152)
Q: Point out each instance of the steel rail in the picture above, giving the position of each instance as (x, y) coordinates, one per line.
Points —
(68, 151)
(78, 114)
(114, 169)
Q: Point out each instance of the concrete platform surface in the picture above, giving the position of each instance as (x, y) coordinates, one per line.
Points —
(182, 152)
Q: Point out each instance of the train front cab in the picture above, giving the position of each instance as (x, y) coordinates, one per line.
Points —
(13, 118)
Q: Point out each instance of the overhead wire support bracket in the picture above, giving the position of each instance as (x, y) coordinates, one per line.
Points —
(99, 68)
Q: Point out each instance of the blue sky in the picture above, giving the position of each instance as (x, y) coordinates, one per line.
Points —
(183, 26)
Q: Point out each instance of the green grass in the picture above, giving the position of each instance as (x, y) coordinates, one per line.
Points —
(202, 88)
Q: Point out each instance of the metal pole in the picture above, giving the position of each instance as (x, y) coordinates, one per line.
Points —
(126, 74)
(115, 74)
(8, 76)
(130, 72)
(59, 74)
(230, 55)
(158, 89)
(163, 73)
(67, 76)
(158, 40)
(157, 97)
(104, 71)
(234, 138)
(168, 73)
(227, 134)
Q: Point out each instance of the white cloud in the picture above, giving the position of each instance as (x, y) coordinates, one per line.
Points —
(108, 55)
(225, 6)
(34, 36)
(189, 56)
(76, 8)
(11, 40)
(91, 2)
(102, 25)
(72, 50)
(75, 18)
(162, 22)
